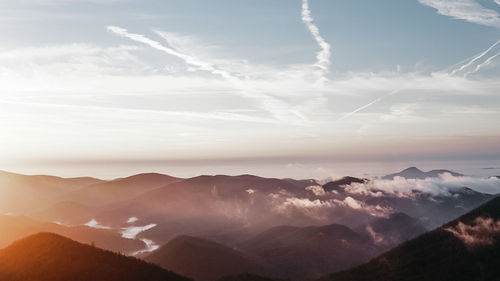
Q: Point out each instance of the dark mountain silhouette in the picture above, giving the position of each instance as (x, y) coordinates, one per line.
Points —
(415, 173)
(248, 277)
(50, 257)
(392, 231)
(308, 252)
(203, 260)
(336, 185)
(301, 183)
(467, 249)
(13, 228)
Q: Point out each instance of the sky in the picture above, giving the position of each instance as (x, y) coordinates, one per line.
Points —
(290, 88)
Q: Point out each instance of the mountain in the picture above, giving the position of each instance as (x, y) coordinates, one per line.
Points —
(15, 227)
(23, 194)
(122, 188)
(301, 183)
(337, 185)
(415, 173)
(392, 231)
(248, 277)
(208, 206)
(467, 249)
(203, 260)
(50, 257)
(308, 252)
(67, 212)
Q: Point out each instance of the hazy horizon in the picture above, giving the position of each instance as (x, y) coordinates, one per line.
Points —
(275, 169)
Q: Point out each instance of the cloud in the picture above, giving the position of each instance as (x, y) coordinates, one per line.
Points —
(132, 231)
(132, 219)
(317, 210)
(316, 189)
(327, 209)
(200, 64)
(377, 238)
(323, 56)
(445, 185)
(250, 191)
(468, 10)
(484, 231)
(374, 210)
(474, 59)
(95, 224)
(150, 247)
(485, 63)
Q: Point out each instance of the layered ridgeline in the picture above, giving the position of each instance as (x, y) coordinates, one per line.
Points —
(467, 249)
(229, 208)
(50, 257)
(299, 253)
(312, 223)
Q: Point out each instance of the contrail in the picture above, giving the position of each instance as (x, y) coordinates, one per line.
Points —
(347, 115)
(323, 56)
(156, 45)
(498, 2)
(485, 63)
(474, 59)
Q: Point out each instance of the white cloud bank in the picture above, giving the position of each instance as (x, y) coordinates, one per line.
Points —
(316, 190)
(409, 188)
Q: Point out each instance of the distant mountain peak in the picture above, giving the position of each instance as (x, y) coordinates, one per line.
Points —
(416, 173)
(412, 169)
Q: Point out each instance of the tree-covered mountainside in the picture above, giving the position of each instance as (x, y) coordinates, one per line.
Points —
(204, 260)
(50, 257)
(466, 249)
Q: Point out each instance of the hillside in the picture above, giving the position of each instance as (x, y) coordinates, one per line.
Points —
(67, 212)
(467, 249)
(307, 252)
(203, 260)
(13, 228)
(391, 231)
(50, 257)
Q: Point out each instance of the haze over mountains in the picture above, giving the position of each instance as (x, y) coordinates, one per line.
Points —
(467, 248)
(210, 227)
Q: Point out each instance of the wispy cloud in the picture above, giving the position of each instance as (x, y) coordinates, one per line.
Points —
(202, 65)
(349, 114)
(323, 56)
(474, 59)
(485, 63)
(468, 10)
(484, 231)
